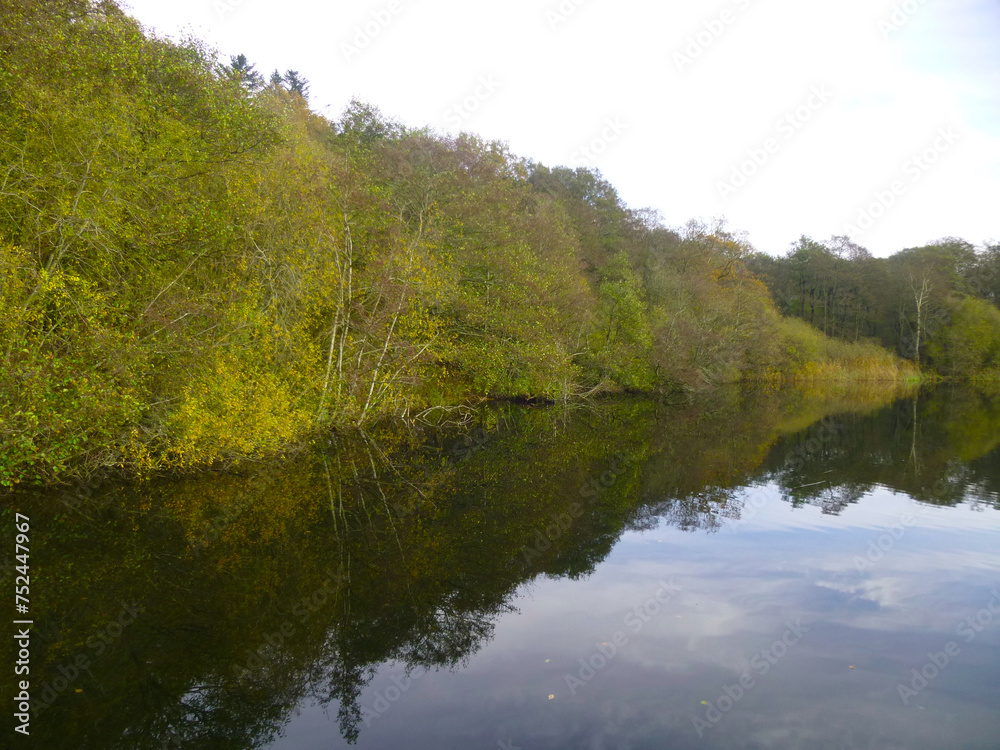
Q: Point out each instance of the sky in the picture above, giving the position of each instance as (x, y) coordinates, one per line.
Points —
(875, 119)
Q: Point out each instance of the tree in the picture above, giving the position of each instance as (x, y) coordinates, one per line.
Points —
(920, 302)
(984, 278)
(245, 72)
(295, 83)
(970, 344)
(365, 124)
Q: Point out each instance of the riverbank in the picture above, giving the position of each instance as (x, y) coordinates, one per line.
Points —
(229, 275)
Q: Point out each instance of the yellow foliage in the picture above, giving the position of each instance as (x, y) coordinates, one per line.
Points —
(234, 408)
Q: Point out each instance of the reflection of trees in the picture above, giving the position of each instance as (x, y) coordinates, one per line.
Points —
(420, 548)
(835, 499)
(446, 638)
(420, 556)
(940, 449)
(705, 511)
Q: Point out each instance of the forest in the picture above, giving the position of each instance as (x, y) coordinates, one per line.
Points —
(196, 269)
(935, 305)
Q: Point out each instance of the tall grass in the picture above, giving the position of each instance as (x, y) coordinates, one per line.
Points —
(812, 358)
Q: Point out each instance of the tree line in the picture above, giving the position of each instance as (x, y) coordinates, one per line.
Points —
(195, 268)
(935, 304)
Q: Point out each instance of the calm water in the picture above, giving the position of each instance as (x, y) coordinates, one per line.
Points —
(749, 571)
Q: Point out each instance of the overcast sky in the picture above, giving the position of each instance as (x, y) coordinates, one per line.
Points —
(864, 117)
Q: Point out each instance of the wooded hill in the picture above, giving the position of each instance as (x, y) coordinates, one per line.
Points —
(197, 268)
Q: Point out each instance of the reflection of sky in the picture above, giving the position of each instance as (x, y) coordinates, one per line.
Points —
(738, 590)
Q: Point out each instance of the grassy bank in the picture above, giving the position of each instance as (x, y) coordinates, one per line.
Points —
(812, 359)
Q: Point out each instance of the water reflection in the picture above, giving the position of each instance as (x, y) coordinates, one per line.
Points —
(434, 587)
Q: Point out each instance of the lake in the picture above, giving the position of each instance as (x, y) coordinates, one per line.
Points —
(746, 570)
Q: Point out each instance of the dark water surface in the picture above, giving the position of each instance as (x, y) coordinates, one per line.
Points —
(749, 571)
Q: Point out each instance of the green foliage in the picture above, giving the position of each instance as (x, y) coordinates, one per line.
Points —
(197, 268)
(933, 304)
(624, 353)
(970, 344)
